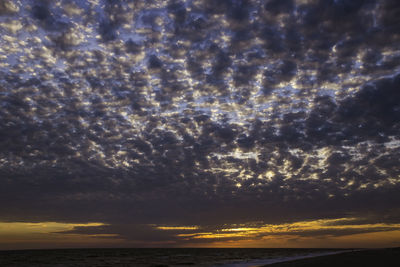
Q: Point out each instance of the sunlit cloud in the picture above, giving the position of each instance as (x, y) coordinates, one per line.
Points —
(160, 115)
(345, 230)
(177, 227)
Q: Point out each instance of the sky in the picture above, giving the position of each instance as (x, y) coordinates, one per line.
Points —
(199, 123)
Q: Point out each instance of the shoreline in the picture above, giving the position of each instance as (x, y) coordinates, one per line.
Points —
(203, 257)
(388, 257)
(268, 262)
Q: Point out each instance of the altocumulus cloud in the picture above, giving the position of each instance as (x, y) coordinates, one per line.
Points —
(199, 112)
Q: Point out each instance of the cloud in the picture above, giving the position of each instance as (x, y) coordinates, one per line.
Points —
(198, 113)
(8, 7)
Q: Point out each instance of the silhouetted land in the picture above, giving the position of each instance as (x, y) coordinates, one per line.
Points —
(366, 258)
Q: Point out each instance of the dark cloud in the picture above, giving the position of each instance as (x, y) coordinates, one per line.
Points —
(276, 7)
(198, 112)
(8, 8)
(107, 30)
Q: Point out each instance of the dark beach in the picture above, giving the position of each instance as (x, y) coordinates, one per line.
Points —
(375, 257)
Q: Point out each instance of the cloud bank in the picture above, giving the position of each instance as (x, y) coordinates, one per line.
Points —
(199, 112)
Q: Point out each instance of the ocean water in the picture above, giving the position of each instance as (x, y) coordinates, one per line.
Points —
(154, 257)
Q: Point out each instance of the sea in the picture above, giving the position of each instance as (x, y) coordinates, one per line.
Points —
(156, 257)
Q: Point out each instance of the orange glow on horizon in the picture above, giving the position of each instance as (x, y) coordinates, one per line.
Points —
(328, 233)
(177, 227)
(318, 233)
(23, 235)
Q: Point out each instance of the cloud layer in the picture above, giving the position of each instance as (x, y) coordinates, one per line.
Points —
(199, 112)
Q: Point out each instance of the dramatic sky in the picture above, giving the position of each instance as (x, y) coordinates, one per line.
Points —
(186, 123)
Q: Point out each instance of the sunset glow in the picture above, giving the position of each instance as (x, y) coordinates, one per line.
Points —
(199, 123)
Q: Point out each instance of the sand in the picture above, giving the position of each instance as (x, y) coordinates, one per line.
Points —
(389, 257)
